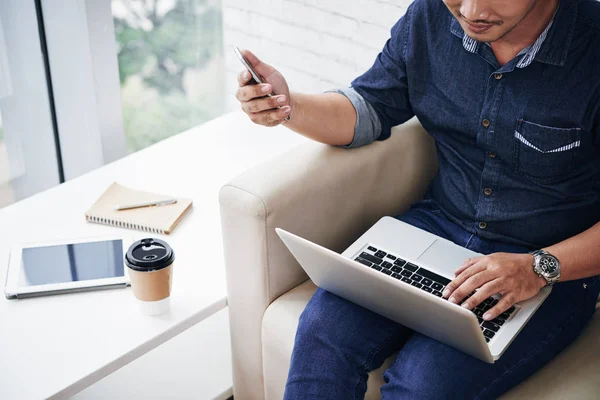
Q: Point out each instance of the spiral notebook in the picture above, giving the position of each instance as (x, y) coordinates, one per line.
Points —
(161, 219)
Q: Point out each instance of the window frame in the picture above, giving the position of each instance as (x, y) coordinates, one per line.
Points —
(87, 98)
(27, 117)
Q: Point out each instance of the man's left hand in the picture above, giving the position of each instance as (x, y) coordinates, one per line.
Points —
(510, 275)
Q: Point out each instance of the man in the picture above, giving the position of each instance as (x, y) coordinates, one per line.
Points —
(510, 91)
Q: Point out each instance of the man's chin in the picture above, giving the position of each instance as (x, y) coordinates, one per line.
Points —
(488, 37)
(493, 33)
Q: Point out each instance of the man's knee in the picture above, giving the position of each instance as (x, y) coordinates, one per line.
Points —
(320, 313)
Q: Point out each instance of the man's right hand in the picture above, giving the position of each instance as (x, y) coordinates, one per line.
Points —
(262, 109)
(327, 117)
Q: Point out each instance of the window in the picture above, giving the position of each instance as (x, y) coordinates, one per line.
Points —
(28, 153)
(171, 66)
(105, 78)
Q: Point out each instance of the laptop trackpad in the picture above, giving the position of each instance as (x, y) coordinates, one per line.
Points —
(445, 256)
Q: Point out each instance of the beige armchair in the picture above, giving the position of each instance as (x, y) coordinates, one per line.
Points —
(330, 196)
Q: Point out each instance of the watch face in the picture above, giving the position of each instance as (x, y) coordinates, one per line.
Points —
(549, 265)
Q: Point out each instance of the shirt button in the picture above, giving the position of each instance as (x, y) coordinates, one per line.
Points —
(482, 225)
(491, 154)
(487, 191)
(498, 76)
(486, 123)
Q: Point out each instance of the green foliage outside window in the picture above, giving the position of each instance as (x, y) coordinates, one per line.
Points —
(165, 49)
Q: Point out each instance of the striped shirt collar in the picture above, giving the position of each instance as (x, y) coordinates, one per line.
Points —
(471, 45)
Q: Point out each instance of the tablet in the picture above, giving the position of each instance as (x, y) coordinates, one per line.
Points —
(41, 269)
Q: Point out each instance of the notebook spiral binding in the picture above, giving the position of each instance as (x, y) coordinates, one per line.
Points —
(122, 223)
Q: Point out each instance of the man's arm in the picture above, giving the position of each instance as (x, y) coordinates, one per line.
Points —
(513, 277)
(377, 100)
(328, 118)
(579, 255)
(367, 126)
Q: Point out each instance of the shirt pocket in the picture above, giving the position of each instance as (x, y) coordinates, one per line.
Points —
(543, 153)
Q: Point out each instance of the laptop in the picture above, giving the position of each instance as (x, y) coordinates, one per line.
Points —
(400, 271)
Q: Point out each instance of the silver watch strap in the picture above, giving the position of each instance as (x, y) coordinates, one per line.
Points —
(549, 280)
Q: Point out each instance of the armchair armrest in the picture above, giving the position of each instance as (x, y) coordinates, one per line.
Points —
(326, 194)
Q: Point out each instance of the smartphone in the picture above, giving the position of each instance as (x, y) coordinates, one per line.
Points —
(253, 72)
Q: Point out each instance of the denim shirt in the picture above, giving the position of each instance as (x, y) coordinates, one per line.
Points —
(518, 145)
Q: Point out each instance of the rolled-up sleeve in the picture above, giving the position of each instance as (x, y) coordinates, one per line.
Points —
(367, 127)
(385, 85)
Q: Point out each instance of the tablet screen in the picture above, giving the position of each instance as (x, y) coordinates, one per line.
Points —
(71, 263)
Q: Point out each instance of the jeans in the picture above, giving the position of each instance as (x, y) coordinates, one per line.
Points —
(338, 342)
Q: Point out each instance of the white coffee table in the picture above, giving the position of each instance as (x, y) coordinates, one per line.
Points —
(53, 347)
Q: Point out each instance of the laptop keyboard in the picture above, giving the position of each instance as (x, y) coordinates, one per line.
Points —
(430, 282)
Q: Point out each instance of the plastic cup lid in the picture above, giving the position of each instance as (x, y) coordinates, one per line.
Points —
(149, 255)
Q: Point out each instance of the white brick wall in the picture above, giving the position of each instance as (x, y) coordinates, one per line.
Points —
(316, 44)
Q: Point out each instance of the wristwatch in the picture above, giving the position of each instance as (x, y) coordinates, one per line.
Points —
(546, 266)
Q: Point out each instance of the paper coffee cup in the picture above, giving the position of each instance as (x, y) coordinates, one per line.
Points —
(150, 263)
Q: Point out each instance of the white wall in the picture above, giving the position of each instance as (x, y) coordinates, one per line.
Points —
(316, 44)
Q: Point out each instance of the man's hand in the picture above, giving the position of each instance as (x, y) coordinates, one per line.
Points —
(510, 275)
(262, 109)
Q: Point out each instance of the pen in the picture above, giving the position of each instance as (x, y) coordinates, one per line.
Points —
(147, 204)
